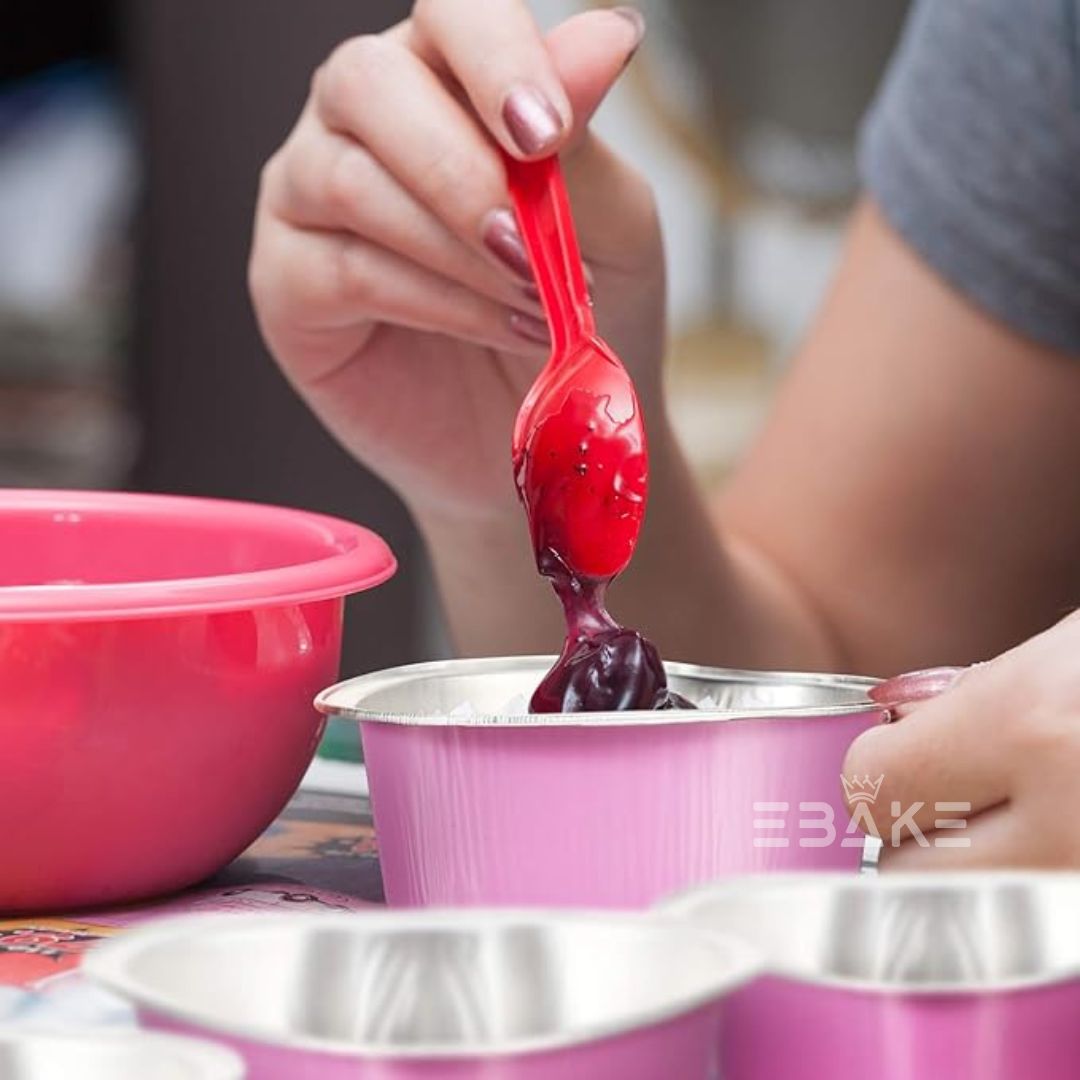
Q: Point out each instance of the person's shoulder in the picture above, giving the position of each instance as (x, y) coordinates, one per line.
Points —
(972, 151)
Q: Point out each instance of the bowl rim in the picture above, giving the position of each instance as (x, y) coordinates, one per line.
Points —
(216, 1061)
(107, 964)
(682, 906)
(335, 699)
(355, 559)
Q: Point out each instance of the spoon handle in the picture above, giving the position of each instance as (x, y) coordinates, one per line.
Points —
(543, 211)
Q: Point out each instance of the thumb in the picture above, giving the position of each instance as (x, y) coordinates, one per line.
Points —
(613, 205)
(589, 52)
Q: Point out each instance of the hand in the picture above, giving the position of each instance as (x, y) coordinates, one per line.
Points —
(387, 273)
(1004, 737)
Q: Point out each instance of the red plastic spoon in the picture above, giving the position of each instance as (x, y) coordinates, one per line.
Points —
(579, 441)
(581, 470)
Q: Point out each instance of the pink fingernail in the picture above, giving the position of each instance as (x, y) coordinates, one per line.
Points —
(636, 20)
(528, 327)
(503, 239)
(590, 281)
(533, 122)
(915, 686)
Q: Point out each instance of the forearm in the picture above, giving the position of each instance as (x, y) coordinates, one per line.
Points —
(701, 594)
(494, 601)
(701, 598)
(912, 474)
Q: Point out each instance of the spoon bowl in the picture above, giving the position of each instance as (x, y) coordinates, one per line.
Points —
(579, 447)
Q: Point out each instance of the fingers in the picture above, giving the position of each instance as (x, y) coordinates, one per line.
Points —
(1003, 737)
(1027, 835)
(951, 750)
(500, 67)
(391, 151)
(902, 692)
(319, 283)
(328, 181)
(997, 732)
(498, 55)
(1035, 829)
(377, 93)
(370, 89)
(589, 52)
(990, 840)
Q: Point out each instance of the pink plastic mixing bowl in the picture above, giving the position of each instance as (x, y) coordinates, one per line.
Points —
(158, 657)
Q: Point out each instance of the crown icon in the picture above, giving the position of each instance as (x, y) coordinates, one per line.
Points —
(862, 789)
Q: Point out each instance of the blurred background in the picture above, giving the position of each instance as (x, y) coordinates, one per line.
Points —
(131, 135)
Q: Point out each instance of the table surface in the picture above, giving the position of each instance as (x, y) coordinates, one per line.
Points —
(319, 854)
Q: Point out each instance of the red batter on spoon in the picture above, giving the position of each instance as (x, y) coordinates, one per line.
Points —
(581, 468)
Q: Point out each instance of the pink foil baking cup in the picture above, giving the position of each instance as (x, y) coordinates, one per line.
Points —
(466, 995)
(600, 809)
(904, 977)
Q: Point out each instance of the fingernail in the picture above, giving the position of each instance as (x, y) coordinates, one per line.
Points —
(636, 19)
(533, 122)
(531, 292)
(529, 328)
(915, 686)
(590, 280)
(503, 239)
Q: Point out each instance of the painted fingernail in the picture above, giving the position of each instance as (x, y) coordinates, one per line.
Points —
(529, 328)
(636, 20)
(915, 686)
(502, 238)
(533, 122)
(531, 292)
(590, 281)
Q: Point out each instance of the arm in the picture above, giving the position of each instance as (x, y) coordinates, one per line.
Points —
(917, 476)
(908, 503)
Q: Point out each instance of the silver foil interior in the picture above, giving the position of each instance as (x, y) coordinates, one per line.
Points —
(434, 693)
(412, 985)
(969, 931)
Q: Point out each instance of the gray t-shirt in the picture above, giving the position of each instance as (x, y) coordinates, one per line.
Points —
(972, 150)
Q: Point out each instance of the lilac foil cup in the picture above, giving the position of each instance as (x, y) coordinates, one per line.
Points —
(600, 809)
(904, 977)
(447, 995)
